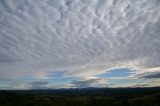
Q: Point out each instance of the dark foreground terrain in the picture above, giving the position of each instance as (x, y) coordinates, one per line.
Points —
(82, 97)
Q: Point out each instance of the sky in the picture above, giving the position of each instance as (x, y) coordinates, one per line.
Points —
(52, 44)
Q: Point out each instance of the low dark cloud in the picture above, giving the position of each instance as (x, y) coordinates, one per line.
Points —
(152, 75)
(95, 82)
(38, 84)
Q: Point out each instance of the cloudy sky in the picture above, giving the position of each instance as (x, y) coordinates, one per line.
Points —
(79, 43)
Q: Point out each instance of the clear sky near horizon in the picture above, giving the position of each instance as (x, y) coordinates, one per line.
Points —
(79, 43)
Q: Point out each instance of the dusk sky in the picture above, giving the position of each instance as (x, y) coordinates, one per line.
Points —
(52, 44)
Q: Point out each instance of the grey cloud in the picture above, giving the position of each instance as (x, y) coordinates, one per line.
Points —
(28, 85)
(152, 75)
(151, 83)
(33, 85)
(141, 85)
(38, 84)
(76, 35)
(96, 82)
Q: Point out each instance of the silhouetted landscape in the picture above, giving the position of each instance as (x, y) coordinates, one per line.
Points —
(82, 97)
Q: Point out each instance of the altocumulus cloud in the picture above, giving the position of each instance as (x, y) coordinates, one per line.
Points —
(83, 37)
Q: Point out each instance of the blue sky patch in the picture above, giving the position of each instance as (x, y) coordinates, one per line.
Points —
(122, 72)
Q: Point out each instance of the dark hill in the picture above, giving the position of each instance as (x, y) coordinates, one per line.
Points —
(82, 97)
